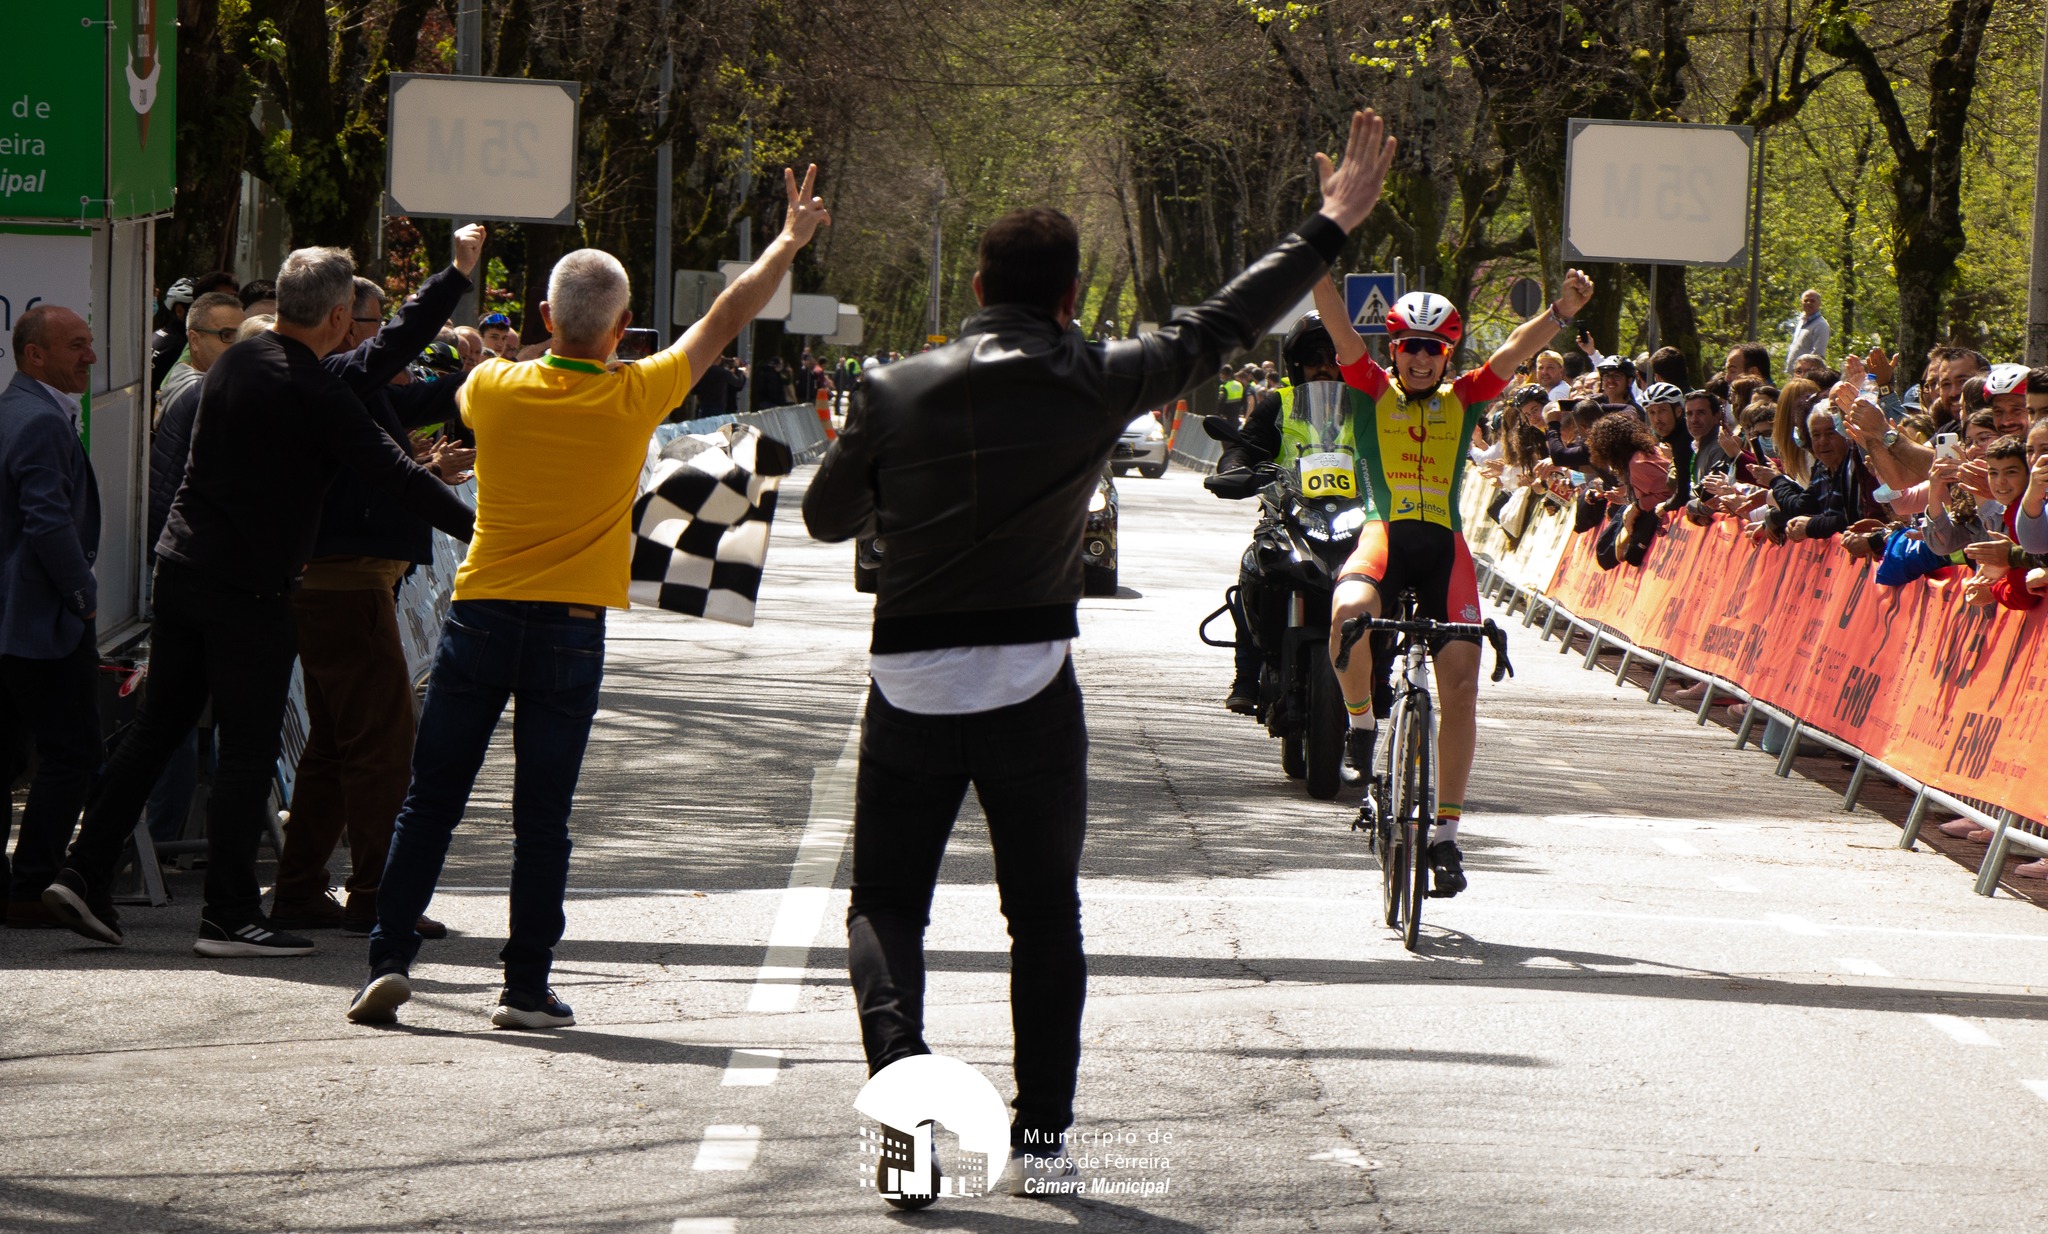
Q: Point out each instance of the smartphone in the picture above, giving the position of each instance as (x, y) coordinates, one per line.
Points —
(1768, 446)
(638, 344)
(1945, 445)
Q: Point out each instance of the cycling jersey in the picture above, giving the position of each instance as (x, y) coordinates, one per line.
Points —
(1412, 456)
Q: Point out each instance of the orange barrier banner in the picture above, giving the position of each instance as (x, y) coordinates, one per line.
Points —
(1954, 695)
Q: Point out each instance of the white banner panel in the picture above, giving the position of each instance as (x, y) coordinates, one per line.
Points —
(496, 148)
(1671, 193)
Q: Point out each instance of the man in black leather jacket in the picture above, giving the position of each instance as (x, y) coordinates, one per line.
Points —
(975, 463)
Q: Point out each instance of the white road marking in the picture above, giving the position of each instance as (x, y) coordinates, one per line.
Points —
(1862, 968)
(810, 883)
(1728, 882)
(1346, 1155)
(705, 1225)
(2037, 1087)
(727, 1146)
(1793, 923)
(1677, 848)
(752, 1068)
(1964, 1032)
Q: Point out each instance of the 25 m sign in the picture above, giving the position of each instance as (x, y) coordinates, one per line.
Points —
(493, 148)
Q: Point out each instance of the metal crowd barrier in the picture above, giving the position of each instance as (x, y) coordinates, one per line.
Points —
(1194, 448)
(2006, 826)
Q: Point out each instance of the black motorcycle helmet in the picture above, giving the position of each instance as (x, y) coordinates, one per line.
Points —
(1307, 340)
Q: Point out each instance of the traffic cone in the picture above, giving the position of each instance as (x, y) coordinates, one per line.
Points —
(825, 413)
(1180, 410)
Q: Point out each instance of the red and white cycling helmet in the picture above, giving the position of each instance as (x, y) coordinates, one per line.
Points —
(2005, 378)
(1425, 312)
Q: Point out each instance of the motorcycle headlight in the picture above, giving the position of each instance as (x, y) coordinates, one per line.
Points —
(1100, 502)
(1348, 522)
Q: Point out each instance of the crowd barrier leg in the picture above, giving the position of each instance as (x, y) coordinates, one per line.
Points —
(1909, 834)
(1550, 620)
(1743, 730)
(1621, 674)
(1791, 750)
(1529, 614)
(1657, 682)
(147, 866)
(1593, 643)
(1994, 856)
(1855, 788)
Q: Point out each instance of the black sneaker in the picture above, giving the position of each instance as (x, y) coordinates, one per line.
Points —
(1447, 868)
(518, 1009)
(1368, 819)
(80, 911)
(380, 998)
(254, 939)
(1358, 748)
(1244, 693)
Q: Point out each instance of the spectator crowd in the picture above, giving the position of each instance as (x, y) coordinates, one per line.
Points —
(1933, 468)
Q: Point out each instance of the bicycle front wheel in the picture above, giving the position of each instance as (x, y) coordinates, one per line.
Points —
(1394, 854)
(1418, 763)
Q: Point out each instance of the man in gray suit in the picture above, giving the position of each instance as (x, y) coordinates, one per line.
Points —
(49, 651)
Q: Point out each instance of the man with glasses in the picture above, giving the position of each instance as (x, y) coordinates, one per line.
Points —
(210, 328)
(1410, 460)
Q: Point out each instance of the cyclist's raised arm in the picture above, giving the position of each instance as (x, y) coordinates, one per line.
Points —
(1337, 320)
(1531, 335)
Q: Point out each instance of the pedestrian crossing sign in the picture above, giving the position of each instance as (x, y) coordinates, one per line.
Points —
(1367, 297)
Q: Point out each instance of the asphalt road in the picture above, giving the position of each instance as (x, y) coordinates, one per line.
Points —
(1680, 995)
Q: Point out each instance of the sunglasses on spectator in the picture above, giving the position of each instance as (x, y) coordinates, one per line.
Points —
(372, 320)
(495, 319)
(1421, 347)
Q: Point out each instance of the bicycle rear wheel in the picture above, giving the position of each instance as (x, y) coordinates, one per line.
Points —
(1413, 822)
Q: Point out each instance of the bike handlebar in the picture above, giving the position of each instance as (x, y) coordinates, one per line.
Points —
(1355, 628)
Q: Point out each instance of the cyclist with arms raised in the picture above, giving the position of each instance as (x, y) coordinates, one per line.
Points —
(1410, 461)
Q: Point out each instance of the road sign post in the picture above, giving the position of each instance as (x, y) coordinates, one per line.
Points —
(1367, 297)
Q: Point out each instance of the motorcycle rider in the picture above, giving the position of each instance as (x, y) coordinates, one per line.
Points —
(1411, 456)
(1310, 355)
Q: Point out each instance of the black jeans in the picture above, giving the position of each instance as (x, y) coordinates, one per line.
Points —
(1029, 766)
(55, 703)
(237, 647)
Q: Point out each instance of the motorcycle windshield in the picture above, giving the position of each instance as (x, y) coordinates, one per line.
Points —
(1325, 468)
(1323, 406)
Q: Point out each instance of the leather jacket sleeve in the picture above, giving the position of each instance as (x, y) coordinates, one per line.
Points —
(1154, 369)
(840, 503)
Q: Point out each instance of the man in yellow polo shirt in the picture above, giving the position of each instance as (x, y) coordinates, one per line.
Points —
(560, 442)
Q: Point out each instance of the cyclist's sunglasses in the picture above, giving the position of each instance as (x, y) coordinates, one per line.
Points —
(1421, 347)
(495, 319)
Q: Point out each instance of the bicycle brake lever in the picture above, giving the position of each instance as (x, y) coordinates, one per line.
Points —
(1499, 638)
(1352, 629)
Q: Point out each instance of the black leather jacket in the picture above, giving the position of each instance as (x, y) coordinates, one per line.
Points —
(975, 462)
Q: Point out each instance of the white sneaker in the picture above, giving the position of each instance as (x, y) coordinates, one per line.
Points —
(1030, 1174)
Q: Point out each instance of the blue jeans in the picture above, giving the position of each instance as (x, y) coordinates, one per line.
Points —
(548, 660)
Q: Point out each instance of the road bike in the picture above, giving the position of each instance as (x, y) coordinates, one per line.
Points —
(1406, 792)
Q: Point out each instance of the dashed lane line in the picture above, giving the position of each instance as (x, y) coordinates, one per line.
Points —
(705, 1225)
(802, 910)
(727, 1146)
(752, 1068)
(1859, 967)
(1677, 848)
(1961, 1031)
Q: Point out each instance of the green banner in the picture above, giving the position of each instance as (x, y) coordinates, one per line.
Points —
(88, 110)
(142, 112)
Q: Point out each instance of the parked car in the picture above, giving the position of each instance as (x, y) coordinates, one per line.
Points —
(1098, 547)
(1143, 445)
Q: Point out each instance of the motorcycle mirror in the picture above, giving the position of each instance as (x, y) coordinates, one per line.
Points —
(1222, 428)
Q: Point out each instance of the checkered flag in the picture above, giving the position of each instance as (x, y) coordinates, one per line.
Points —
(700, 525)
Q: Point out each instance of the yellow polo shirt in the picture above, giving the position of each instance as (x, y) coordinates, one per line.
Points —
(559, 448)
